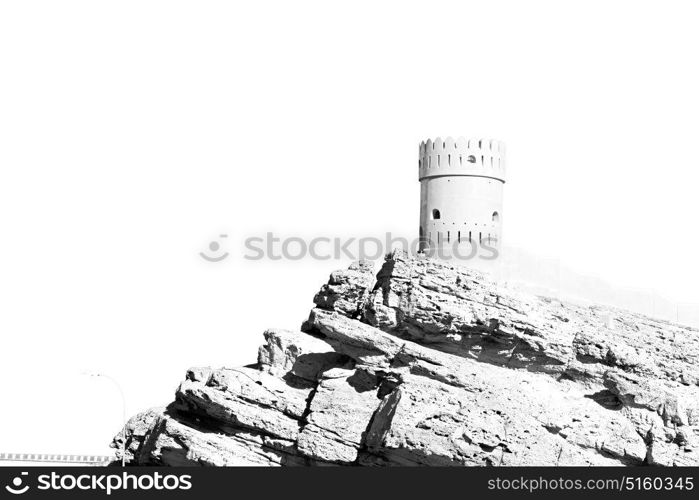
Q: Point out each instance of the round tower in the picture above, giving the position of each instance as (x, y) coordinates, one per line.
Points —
(461, 185)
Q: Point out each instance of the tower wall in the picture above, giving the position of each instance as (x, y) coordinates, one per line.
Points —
(461, 188)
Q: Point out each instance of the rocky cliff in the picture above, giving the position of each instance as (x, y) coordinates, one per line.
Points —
(429, 364)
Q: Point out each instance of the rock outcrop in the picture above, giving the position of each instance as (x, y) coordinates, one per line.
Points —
(425, 363)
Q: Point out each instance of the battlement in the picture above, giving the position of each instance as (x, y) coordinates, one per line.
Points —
(470, 157)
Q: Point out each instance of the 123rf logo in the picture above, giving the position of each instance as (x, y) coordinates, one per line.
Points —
(106, 483)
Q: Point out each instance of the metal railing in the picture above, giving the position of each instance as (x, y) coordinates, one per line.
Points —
(57, 458)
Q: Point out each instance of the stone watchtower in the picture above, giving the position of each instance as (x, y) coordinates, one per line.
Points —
(461, 185)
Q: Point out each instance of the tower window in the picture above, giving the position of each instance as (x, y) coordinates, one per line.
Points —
(471, 159)
(436, 215)
(496, 217)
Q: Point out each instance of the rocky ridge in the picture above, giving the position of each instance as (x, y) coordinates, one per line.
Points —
(425, 363)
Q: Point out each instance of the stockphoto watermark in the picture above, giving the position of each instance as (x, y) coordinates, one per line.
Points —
(458, 245)
(103, 481)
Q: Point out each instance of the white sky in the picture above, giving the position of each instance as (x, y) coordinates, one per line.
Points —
(132, 133)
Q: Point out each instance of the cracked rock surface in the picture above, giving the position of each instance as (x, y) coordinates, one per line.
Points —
(425, 363)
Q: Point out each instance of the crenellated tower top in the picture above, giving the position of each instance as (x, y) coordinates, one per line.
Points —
(470, 157)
